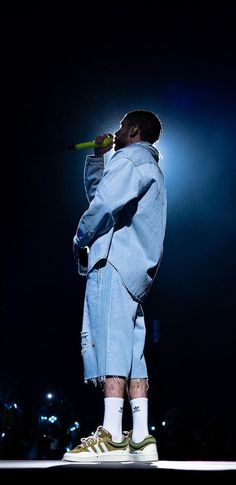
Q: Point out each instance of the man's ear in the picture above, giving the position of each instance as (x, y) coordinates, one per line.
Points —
(134, 131)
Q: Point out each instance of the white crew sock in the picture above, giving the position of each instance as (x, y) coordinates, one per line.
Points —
(113, 417)
(139, 408)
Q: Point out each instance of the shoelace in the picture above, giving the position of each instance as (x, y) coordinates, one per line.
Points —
(91, 439)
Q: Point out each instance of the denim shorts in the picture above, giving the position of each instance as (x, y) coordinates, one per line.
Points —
(113, 331)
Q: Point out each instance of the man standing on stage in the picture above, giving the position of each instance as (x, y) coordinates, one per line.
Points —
(124, 229)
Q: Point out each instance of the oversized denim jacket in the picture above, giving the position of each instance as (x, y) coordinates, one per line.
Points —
(126, 219)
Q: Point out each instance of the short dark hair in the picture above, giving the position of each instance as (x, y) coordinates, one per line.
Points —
(148, 123)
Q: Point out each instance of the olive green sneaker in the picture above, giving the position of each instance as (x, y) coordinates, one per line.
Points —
(146, 450)
(100, 447)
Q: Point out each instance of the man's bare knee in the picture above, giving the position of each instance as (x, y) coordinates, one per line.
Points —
(138, 388)
(114, 386)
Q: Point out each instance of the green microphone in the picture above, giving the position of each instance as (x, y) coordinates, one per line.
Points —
(92, 144)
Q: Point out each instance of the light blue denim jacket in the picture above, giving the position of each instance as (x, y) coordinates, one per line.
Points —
(126, 219)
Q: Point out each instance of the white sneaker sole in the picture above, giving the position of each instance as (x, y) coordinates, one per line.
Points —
(148, 454)
(85, 457)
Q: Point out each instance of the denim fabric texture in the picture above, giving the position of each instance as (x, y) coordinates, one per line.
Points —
(124, 228)
(113, 332)
(126, 219)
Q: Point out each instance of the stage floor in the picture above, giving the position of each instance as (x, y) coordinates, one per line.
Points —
(160, 465)
(174, 472)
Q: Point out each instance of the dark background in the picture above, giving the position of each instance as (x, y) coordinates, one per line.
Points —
(67, 76)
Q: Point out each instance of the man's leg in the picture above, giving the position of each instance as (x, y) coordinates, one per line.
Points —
(142, 445)
(115, 349)
(107, 343)
(139, 407)
(114, 389)
(138, 380)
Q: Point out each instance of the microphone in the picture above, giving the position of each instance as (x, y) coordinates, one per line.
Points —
(92, 144)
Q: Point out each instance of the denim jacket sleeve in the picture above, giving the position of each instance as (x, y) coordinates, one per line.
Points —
(93, 171)
(121, 183)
